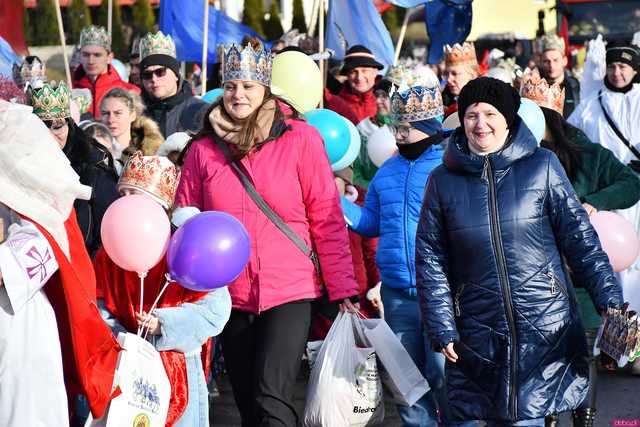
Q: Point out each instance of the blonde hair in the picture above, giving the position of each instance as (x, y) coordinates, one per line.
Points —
(132, 100)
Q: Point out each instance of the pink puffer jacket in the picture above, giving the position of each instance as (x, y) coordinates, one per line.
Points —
(293, 175)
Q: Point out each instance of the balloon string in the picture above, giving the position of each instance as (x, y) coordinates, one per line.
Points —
(142, 275)
(168, 281)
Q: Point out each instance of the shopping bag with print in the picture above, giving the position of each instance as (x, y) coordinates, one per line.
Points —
(401, 377)
(344, 387)
(145, 388)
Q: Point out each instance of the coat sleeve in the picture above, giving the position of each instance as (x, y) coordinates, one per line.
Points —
(327, 226)
(432, 266)
(189, 191)
(186, 327)
(364, 220)
(618, 184)
(578, 240)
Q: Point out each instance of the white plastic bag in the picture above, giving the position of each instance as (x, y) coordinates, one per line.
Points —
(398, 373)
(144, 384)
(344, 387)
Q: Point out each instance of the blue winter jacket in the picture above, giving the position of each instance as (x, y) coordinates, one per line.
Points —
(391, 211)
(491, 279)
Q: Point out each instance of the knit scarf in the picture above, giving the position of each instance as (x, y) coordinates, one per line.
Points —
(230, 130)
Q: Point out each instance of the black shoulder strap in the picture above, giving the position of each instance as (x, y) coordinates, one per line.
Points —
(264, 207)
(615, 129)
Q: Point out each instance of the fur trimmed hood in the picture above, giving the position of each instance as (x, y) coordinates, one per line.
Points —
(145, 137)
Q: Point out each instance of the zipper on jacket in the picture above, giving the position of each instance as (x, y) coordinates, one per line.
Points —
(457, 300)
(406, 225)
(503, 278)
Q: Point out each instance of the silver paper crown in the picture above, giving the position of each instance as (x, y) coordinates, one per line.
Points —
(247, 64)
(30, 73)
(94, 35)
(416, 103)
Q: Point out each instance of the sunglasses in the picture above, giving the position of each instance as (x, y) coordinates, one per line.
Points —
(158, 72)
(55, 124)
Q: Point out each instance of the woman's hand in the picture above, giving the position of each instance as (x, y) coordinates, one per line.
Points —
(590, 209)
(450, 353)
(347, 305)
(149, 321)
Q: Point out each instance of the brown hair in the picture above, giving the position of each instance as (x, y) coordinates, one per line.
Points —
(247, 131)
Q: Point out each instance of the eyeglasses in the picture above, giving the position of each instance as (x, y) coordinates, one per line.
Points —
(158, 72)
(400, 131)
(55, 124)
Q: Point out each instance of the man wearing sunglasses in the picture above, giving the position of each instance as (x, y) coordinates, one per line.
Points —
(169, 99)
(95, 71)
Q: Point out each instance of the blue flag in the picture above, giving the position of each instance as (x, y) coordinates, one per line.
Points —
(351, 22)
(184, 21)
(406, 3)
(7, 58)
(448, 22)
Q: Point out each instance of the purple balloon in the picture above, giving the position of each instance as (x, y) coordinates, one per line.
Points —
(208, 251)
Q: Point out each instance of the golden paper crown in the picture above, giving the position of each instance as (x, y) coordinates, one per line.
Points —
(157, 44)
(51, 101)
(155, 176)
(539, 91)
(460, 54)
(95, 36)
(416, 103)
(549, 42)
(31, 71)
(247, 64)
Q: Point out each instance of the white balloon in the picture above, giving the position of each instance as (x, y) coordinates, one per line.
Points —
(381, 145)
(452, 121)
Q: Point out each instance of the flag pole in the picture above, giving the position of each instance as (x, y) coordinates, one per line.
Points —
(403, 30)
(63, 42)
(205, 49)
(314, 18)
(321, 45)
(110, 17)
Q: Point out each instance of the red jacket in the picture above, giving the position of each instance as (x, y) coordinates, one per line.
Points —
(355, 107)
(293, 175)
(103, 84)
(89, 350)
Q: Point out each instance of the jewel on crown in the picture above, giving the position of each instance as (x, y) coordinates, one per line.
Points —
(539, 91)
(157, 44)
(460, 54)
(247, 64)
(416, 103)
(94, 35)
(155, 176)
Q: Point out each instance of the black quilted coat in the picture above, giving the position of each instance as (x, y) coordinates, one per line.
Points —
(490, 277)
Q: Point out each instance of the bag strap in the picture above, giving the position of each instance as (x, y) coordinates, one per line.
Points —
(264, 207)
(615, 129)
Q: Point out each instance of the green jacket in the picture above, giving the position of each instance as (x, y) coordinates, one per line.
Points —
(606, 184)
(603, 181)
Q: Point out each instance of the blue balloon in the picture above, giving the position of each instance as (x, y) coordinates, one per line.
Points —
(213, 95)
(353, 150)
(532, 116)
(334, 131)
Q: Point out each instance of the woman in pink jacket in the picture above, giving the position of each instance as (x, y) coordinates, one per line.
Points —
(284, 158)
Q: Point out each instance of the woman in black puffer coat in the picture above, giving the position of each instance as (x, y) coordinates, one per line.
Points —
(498, 217)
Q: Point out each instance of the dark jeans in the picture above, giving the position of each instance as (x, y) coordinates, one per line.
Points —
(262, 355)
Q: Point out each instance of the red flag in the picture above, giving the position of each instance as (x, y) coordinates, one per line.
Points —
(11, 16)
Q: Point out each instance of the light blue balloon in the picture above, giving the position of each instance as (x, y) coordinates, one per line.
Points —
(334, 131)
(532, 116)
(353, 150)
(213, 95)
(121, 69)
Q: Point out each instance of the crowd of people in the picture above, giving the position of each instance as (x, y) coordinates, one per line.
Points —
(472, 241)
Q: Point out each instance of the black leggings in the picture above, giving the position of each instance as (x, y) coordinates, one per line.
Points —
(262, 354)
(590, 400)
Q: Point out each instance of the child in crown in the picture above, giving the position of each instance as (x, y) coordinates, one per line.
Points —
(184, 321)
